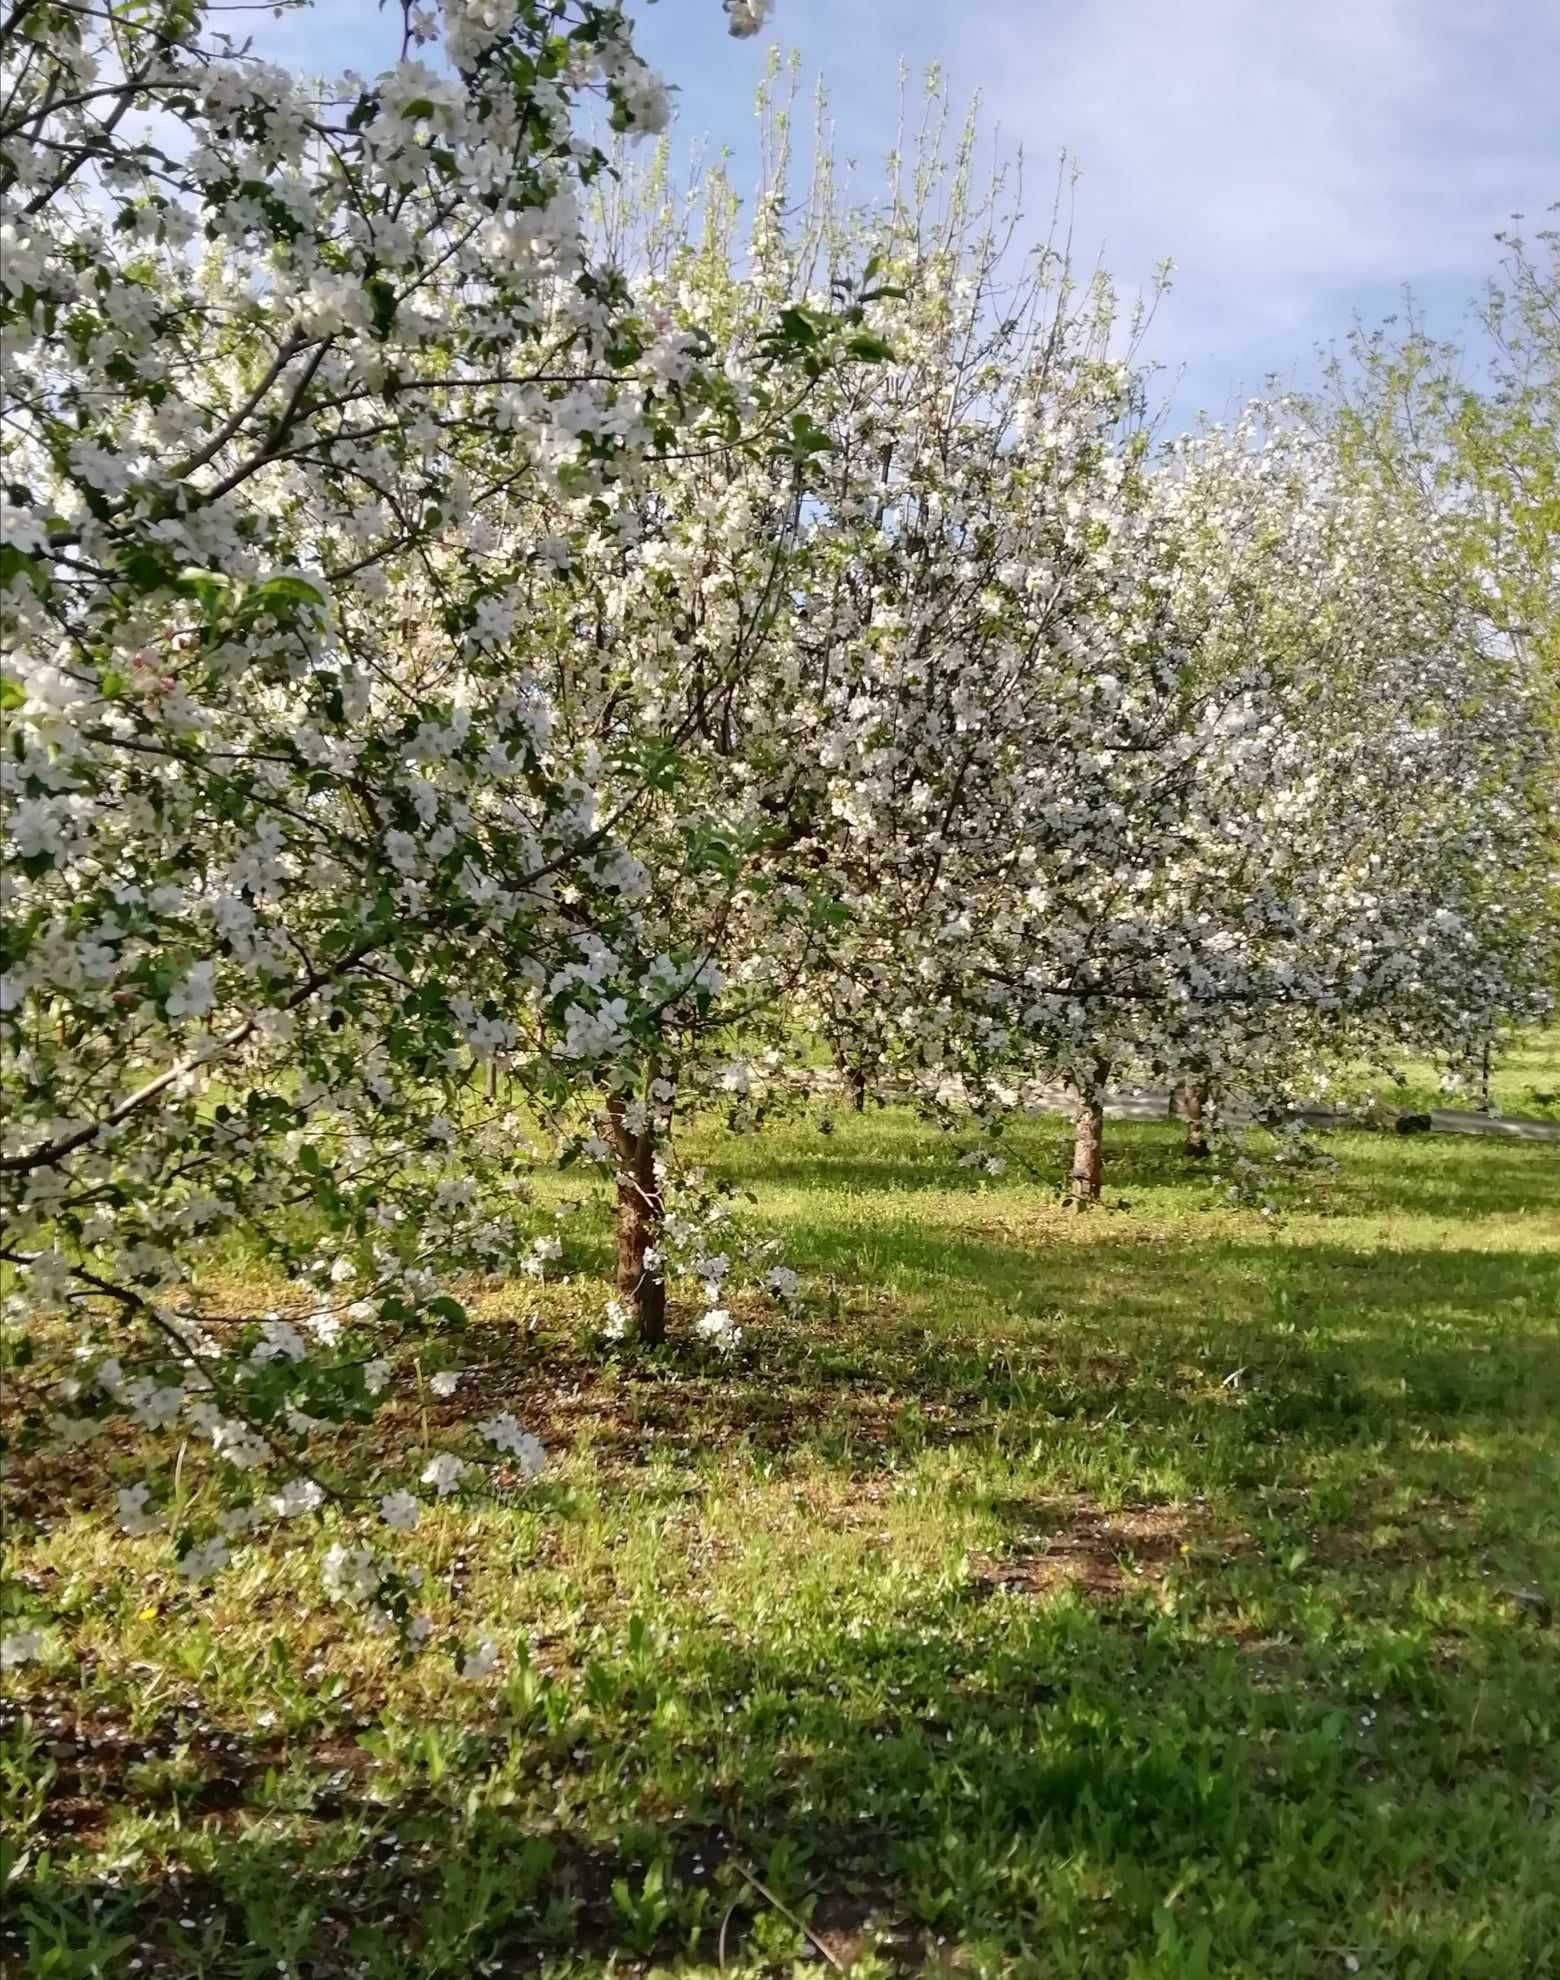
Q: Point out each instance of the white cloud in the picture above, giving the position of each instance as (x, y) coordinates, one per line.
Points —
(1287, 150)
(1298, 159)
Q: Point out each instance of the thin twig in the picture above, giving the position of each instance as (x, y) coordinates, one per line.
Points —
(785, 1911)
(720, 1944)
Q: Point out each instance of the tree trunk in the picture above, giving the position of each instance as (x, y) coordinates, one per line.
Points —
(639, 1217)
(1194, 1098)
(853, 1076)
(1088, 1168)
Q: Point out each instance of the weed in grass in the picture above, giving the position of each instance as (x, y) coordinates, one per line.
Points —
(1155, 1593)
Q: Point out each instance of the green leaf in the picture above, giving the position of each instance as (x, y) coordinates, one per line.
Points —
(807, 437)
(797, 327)
(146, 570)
(289, 588)
(16, 564)
(385, 302)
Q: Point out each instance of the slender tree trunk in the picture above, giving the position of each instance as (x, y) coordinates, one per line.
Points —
(639, 1218)
(1088, 1167)
(853, 1076)
(1194, 1098)
(1484, 1077)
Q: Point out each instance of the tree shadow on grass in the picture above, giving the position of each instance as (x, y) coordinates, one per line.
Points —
(1308, 1393)
(1231, 1678)
(1447, 1177)
(1014, 1769)
(1223, 1362)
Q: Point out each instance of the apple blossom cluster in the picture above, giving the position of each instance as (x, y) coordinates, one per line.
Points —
(459, 678)
(1191, 775)
(745, 18)
(325, 425)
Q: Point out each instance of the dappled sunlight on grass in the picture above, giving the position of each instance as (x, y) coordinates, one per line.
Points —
(1167, 1590)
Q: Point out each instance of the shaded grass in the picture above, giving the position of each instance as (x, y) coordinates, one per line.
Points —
(1160, 1592)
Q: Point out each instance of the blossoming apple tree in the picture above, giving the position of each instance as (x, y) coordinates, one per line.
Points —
(1316, 776)
(291, 378)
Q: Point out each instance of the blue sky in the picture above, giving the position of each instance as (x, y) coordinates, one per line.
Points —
(1301, 160)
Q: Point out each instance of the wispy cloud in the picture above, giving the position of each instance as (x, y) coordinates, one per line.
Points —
(1285, 152)
(1300, 160)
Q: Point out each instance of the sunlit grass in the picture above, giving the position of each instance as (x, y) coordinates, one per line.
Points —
(1524, 1080)
(1166, 1591)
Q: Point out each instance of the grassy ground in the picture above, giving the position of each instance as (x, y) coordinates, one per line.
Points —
(1157, 1593)
(1524, 1080)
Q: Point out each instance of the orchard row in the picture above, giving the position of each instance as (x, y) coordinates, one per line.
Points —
(487, 648)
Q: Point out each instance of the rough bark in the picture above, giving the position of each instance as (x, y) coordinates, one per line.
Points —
(640, 1212)
(1194, 1100)
(1088, 1167)
(852, 1074)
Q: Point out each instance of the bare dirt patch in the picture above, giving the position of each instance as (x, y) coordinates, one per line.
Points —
(1098, 1553)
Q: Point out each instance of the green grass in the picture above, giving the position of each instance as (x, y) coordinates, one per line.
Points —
(1524, 1080)
(1163, 1592)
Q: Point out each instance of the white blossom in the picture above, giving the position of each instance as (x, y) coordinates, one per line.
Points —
(134, 1517)
(399, 1511)
(480, 1661)
(204, 1558)
(505, 1434)
(444, 1473)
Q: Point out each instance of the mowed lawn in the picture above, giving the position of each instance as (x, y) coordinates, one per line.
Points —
(1524, 1081)
(1167, 1591)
